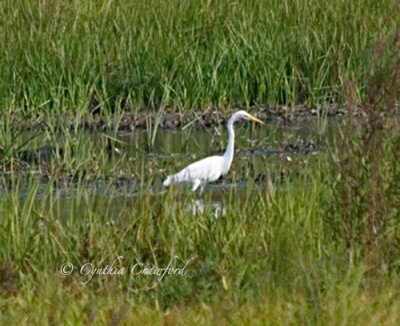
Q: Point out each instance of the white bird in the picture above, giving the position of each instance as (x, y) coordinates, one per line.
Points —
(211, 168)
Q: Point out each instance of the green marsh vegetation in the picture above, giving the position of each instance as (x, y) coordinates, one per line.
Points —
(68, 57)
(320, 246)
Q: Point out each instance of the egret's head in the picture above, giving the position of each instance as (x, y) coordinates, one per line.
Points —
(243, 115)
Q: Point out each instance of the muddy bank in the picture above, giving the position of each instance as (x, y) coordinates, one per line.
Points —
(170, 119)
(145, 119)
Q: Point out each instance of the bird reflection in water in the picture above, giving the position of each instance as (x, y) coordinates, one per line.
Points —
(198, 207)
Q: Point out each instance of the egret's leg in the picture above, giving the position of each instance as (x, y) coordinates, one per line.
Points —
(196, 184)
(202, 188)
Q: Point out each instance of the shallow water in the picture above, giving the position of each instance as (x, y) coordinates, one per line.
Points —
(264, 155)
(256, 147)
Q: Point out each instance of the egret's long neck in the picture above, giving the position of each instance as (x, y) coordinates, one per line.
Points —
(228, 155)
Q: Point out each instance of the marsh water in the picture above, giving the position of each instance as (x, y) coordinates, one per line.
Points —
(264, 155)
(259, 150)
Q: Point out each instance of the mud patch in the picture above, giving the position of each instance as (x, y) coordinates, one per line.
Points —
(8, 279)
(214, 117)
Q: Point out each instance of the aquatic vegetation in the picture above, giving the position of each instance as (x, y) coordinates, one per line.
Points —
(304, 228)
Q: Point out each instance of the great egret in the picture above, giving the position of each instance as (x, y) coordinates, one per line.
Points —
(211, 168)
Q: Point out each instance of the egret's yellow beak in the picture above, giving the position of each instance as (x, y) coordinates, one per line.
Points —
(253, 118)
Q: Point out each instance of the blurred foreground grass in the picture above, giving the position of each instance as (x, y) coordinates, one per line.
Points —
(275, 257)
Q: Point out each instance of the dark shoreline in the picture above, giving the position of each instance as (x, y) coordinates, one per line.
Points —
(170, 119)
(200, 118)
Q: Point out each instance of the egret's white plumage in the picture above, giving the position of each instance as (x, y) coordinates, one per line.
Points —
(211, 168)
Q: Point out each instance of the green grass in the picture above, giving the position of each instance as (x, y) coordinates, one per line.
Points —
(272, 259)
(319, 247)
(69, 57)
(280, 255)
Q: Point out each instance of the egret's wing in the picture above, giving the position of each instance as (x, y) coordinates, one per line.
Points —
(206, 170)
